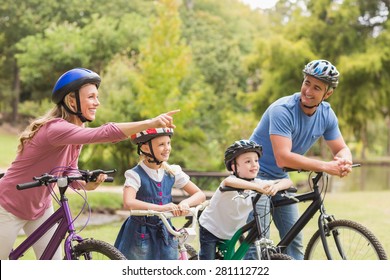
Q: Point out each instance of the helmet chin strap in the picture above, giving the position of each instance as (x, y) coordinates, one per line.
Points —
(236, 173)
(151, 157)
(310, 107)
(315, 106)
(78, 105)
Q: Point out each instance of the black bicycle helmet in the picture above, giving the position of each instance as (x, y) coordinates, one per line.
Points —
(323, 70)
(238, 148)
(72, 81)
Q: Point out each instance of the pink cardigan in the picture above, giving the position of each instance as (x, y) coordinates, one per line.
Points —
(57, 144)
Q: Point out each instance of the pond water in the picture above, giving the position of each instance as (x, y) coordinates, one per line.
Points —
(364, 178)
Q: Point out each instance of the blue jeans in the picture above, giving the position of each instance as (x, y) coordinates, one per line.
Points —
(284, 218)
(208, 244)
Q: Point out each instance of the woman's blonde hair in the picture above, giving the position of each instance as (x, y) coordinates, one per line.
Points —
(57, 112)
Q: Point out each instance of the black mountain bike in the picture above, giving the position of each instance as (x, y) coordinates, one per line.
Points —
(335, 239)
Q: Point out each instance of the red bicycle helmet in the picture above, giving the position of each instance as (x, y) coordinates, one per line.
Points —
(147, 135)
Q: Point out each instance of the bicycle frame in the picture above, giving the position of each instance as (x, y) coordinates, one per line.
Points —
(311, 210)
(63, 218)
(306, 216)
(254, 236)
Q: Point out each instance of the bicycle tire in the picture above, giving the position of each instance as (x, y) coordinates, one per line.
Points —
(191, 252)
(358, 243)
(91, 249)
(280, 256)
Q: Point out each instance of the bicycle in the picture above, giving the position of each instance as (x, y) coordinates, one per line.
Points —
(334, 239)
(184, 235)
(251, 233)
(75, 247)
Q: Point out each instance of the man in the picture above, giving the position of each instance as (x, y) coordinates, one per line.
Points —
(289, 128)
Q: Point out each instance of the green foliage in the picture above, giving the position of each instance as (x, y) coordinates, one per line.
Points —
(221, 63)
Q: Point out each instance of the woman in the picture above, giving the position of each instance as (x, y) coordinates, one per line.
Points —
(55, 140)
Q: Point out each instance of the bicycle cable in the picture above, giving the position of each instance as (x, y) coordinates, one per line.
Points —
(67, 171)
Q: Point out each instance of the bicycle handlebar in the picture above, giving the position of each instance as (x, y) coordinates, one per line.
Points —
(85, 175)
(288, 169)
(164, 216)
(230, 189)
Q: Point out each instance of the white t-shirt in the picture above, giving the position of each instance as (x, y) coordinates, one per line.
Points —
(225, 215)
(133, 180)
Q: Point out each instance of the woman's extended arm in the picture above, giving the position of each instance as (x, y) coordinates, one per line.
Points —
(163, 120)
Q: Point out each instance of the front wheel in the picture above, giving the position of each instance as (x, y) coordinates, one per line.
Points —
(91, 249)
(346, 240)
(191, 252)
(280, 256)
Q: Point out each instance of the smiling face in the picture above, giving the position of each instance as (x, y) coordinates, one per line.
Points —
(161, 147)
(247, 165)
(89, 100)
(313, 92)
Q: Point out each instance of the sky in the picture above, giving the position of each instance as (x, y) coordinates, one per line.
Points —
(263, 4)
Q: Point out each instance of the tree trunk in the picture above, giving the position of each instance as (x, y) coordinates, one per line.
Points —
(364, 141)
(387, 119)
(15, 95)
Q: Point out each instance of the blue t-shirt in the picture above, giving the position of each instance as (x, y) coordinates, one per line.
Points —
(285, 117)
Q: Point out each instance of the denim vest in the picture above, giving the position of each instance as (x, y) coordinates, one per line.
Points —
(146, 238)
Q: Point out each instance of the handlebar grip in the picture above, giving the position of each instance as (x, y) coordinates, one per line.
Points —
(228, 189)
(28, 185)
(109, 180)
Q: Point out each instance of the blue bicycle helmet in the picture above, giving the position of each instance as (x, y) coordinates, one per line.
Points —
(323, 70)
(72, 81)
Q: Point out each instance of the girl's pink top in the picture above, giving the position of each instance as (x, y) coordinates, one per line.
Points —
(57, 144)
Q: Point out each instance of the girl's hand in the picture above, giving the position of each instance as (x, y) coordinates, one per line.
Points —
(184, 208)
(173, 208)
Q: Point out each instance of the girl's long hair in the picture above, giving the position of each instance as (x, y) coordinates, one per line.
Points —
(57, 112)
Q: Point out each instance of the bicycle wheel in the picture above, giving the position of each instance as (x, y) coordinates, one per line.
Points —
(280, 256)
(191, 252)
(355, 241)
(91, 249)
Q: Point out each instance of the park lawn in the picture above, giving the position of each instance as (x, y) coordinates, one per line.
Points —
(367, 208)
(8, 148)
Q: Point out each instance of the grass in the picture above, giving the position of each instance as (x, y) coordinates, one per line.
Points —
(367, 208)
(9, 143)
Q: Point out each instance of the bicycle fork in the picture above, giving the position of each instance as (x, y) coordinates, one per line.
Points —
(325, 232)
(263, 248)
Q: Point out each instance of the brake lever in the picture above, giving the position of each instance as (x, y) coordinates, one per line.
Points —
(285, 194)
(241, 195)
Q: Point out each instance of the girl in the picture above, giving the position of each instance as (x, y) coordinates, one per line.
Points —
(148, 186)
(55, 140)
(225, 215)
